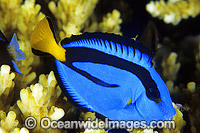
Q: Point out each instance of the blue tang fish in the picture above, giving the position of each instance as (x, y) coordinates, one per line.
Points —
(107, 74)
(10, 52)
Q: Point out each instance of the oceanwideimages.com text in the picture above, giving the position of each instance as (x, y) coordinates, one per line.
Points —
(47, 123)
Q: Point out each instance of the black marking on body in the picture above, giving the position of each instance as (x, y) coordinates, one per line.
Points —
(81, 54)
(51, 27)
(90, 77)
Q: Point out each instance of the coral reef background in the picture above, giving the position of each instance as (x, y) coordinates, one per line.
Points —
(36, 92)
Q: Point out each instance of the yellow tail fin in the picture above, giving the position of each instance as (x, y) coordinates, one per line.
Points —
(43, 40)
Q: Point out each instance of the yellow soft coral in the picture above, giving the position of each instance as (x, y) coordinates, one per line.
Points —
(173, 11)
(172, 89)
(111, 22)
(193, 93)
(21, 18)
(191, 86)
(9, 123)
(9, 11)
(170, 67)
(6, 87)
(71, 15)
(38, 100)
(27, 19)
(85, 116)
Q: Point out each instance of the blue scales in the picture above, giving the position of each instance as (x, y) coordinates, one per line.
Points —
(104, 71)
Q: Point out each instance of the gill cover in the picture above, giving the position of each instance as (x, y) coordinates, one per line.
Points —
(43, 40)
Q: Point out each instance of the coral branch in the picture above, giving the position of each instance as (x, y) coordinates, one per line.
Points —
(173, 11)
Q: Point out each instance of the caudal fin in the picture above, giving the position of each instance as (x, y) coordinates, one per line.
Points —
(43, 40)
(14, 49)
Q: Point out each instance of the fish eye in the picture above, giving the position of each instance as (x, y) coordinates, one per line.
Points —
(153, 94)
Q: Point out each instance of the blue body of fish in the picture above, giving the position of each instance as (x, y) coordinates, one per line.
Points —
(102, 72)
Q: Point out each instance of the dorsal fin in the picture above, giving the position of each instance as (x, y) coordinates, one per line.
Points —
(115, 45)
(150, 36)
(109, 37)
